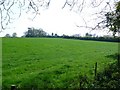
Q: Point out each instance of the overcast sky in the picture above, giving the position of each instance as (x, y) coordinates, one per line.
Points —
(57, 20)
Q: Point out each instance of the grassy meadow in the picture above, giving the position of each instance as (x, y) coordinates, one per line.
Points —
(0, 62)
(52, 62)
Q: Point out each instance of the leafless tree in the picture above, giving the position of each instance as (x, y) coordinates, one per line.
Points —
(8, 8)
(108, 6)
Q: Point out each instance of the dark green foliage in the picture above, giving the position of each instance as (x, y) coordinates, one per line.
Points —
(107, 39)
(114, 56)
(109, 78)
(113, 19)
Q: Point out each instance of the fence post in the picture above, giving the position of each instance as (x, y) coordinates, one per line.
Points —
(118, 60)
(95, 69)
(13, 87)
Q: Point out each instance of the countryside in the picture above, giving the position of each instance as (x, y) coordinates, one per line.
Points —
(60, 44)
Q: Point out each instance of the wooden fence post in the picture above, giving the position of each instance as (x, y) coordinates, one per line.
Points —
(118, 60)
(13, 87)
(95, 69)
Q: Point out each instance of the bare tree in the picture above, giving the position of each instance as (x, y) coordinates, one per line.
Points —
(8, 8)
(107, 17)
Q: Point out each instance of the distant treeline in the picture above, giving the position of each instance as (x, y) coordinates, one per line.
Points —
(108, 39)
(32, 32)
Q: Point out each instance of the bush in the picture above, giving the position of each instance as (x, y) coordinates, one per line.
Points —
(109, 78)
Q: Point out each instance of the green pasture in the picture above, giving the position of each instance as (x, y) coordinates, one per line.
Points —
(52, 62)
(0, 62)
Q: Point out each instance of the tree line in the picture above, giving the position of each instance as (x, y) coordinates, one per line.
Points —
(31, 32)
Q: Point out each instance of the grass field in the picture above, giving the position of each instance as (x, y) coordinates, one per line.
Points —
(52, 62)
(0, 62)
